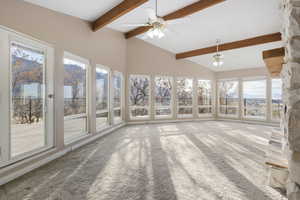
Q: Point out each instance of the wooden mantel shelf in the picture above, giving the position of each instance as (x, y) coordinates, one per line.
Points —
(274, 60)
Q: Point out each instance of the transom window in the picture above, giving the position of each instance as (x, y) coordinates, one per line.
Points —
(184, 97)
(163, 96)
(139, 99)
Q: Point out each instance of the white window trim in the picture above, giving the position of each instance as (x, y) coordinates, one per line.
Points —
(130, 108)
(74, 57)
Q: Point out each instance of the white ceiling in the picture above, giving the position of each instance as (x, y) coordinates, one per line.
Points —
(229, 21)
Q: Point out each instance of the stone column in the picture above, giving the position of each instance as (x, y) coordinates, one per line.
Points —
(291, 93)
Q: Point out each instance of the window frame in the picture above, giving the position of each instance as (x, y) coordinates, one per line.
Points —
(120, 74)
(130, 107)
(108, 124)
(163, 107)
(76, 58)
(7, 37)
(185, 116)
(219, 114)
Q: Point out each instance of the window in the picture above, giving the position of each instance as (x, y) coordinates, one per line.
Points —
(117, 97)
(163, 97)
(184, 97)
(75, 97)
(139, 96)
(204, 97)
(254, 99)
(228, 98)
(27, 99)
(276, 99)
(26, 112)
(102, 97)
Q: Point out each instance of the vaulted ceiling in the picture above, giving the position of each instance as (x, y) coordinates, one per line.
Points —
(229, 21)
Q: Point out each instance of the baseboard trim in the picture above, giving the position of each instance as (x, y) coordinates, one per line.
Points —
(168, 121)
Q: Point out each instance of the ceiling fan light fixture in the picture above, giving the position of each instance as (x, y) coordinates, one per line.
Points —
(218, 59)
(156, 32)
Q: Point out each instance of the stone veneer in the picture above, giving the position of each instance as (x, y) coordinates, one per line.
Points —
(291, 93)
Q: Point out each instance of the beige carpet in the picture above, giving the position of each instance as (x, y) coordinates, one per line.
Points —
(183, 161)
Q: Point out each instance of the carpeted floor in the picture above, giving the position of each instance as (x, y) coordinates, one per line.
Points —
(184, 161)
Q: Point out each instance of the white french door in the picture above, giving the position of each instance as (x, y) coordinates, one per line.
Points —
(26, 97)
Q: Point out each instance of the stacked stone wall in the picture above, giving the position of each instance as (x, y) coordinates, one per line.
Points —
(291, 93)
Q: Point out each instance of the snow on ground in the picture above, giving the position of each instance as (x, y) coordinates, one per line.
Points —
(177, 161)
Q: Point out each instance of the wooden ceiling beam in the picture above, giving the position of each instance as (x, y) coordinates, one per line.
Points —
(183, 12)
(274, 37)
(118, 11)
(191, 9)
(274, 60)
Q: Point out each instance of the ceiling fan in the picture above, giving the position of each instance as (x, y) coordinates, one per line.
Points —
(158, 24)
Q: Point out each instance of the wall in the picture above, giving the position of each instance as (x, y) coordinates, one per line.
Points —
(144, 58)
(63, 33)
(243, 73)
(106, 47)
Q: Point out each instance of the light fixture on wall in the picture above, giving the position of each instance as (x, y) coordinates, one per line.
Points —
(218, 59)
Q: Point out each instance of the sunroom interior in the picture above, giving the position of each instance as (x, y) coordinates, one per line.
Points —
(149, 99)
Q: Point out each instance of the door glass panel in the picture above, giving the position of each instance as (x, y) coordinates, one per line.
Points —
(27, 129)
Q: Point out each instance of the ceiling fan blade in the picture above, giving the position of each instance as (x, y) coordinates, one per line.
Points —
(135, 25)
(151, 14)
(184, 20)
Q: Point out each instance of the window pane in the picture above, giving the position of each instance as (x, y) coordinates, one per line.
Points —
(163, 112)
(185, 111)
(74, 98)
(117, 84)
(254, 102)
(163, 96)
(276, 99)
(139, 112)
(139, 96)
(27, 100)
(185, 92)
(102, 87)
(204, 93)
(205, 110)
(185, 97)
(228, 97)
